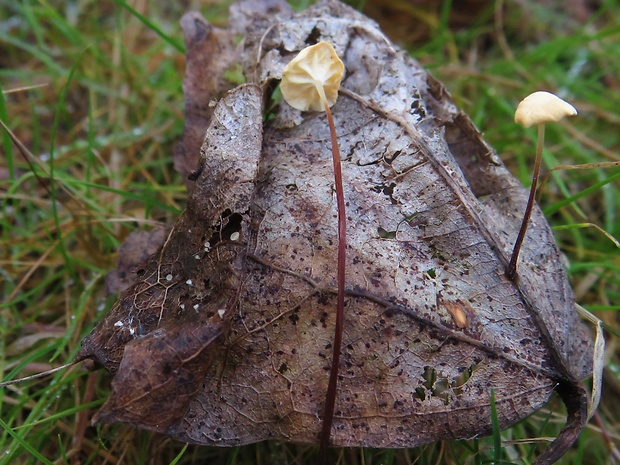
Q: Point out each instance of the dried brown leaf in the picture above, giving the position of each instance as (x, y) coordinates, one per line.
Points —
(236, 310)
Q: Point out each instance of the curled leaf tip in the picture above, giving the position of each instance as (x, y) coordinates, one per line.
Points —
(312, 79)
(542, 107)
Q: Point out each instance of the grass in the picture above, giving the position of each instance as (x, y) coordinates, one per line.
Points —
(93, 89)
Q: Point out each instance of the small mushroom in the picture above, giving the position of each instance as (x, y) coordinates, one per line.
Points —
(542, 107)
(310, 82)
(537, 109)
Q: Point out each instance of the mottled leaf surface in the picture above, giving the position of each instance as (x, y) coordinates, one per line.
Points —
(244, 326)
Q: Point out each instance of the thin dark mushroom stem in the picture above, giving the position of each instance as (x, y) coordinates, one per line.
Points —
(330, 398)
(511, 271)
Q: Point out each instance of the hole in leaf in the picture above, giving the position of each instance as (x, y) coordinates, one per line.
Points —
(273, 98)
(229, 224)
(384, 234)
(314, 36)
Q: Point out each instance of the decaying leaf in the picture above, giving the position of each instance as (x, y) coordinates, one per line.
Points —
(228, 334)
(210, 52)
(134, 250)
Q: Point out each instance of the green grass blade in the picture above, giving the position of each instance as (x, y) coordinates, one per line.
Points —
(53, 188)
(588, 190)
(151, 25)
(180, 455)
(32, 451)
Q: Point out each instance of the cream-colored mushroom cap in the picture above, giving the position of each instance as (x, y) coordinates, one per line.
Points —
(316, 70)
(542, 107)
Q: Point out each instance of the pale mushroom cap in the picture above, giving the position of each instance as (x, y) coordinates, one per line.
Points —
(313, 68)
(542, 107)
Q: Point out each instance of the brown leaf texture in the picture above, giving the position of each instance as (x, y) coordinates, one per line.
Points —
(226, 340)
(210, 51)
(134, 250)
